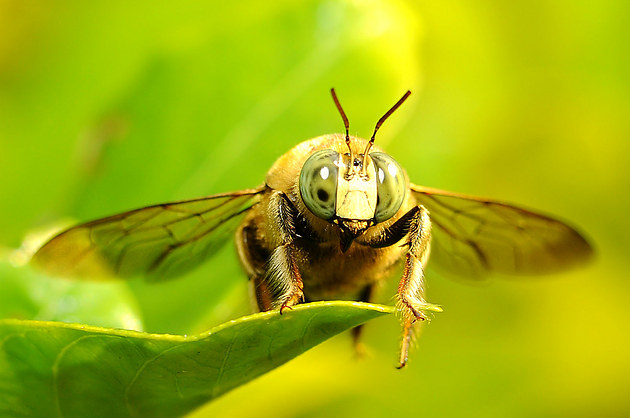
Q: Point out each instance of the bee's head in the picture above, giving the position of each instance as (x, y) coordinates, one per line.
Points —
(354, 190)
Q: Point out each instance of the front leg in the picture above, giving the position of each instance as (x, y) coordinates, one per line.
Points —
(364, 296)
(411, 290)
(281, 285)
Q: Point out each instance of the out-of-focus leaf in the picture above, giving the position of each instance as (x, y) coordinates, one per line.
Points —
(28, 295)
(55, 369)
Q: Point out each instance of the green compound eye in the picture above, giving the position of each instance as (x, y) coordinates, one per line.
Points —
(391, 186)
(318, 183)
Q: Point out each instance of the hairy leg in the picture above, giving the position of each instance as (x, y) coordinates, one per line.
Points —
(411, 289)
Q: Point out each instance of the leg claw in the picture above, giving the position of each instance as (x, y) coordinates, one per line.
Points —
(285, 306)
(291, 300)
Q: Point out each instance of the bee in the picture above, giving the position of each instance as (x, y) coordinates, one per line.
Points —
(335, 216)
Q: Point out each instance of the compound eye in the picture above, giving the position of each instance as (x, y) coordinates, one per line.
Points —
(391, 186)
(318, 183)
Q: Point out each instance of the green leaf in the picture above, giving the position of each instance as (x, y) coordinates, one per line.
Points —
(51, 368)
(27, 294)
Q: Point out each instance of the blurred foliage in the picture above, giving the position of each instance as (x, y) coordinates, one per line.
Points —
(107, 106)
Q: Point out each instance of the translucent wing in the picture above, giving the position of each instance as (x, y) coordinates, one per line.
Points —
(472, 237)
(160, 241)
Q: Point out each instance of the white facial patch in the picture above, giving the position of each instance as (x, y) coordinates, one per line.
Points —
(356, 196)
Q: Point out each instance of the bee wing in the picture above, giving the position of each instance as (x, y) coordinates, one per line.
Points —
(159, 241)
(473, 237)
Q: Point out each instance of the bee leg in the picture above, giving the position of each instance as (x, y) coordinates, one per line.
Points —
(405, 344)
(282, 280)
(411, 289)
(365, 296)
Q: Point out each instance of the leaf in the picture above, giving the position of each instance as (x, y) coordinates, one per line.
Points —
(26, 294)
(51, 368)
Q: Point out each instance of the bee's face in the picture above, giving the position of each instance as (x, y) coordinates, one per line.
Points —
(350, 188)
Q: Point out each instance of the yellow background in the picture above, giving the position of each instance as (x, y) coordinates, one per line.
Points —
(111, 105)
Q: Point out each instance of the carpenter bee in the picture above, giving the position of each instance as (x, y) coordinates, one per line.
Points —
(335, 216)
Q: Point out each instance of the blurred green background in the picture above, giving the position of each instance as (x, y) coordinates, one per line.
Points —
(107, 106)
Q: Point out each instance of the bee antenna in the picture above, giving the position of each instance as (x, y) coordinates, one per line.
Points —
(379, 123)
(345, 120)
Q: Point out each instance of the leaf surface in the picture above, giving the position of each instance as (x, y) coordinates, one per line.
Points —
(67, 370)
